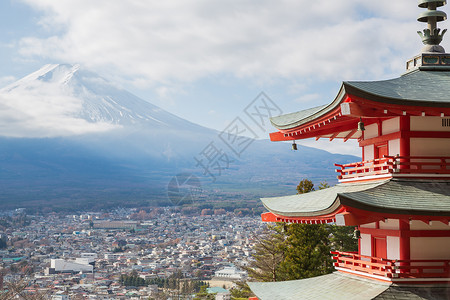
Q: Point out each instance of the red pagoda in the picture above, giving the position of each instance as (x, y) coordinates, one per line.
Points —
(398, 196)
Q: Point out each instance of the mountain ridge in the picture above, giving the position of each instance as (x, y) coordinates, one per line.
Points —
(74, 135)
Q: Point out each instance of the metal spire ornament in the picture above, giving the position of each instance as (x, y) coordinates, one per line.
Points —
(431, 36)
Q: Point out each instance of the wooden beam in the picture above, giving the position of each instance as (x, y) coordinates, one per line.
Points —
(381, 139)
(333, 136)
(348, 136)
(353, 109)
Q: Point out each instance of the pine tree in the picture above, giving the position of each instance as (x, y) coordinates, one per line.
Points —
(305, 186)
(295, 251)
(342, 238)
(269, 248)
(307, 252)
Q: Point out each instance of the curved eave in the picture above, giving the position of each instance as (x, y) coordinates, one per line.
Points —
(316, 203)
(394, 101)
(403, 197)
(427, 89)
(296, 119)
(418, 88)
(393, 196)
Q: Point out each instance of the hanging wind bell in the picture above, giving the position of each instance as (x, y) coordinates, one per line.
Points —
(361, 125)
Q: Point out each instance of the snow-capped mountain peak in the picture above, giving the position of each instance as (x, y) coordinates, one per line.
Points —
(62, 100)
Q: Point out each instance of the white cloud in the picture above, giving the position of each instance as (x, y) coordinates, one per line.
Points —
(159, 42)
(43, 109)
(6, 80)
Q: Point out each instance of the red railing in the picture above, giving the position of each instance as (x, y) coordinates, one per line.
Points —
(395, 164)
(392, 268)
(366, 264)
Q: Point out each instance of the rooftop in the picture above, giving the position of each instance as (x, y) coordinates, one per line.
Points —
(393, 196)
(342, 286)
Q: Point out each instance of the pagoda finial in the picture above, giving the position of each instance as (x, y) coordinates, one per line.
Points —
(431, 36)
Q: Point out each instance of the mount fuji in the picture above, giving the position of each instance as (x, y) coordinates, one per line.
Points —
(71, 139)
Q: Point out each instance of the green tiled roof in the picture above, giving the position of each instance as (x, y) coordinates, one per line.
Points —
(314, 203)
(417, 88)
(332, 286)
(298, 118)
(339, 286)
(292, 118)
(403, 196)
(391, 196)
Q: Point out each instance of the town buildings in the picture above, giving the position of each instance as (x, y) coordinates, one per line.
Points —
(64, 255)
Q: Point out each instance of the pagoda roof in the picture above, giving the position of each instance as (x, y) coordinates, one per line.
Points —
(419, 88)
(316, 203)
(330, 286)
(344, 286)
(393, 196)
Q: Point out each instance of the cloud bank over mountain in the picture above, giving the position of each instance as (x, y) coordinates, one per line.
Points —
(68, 135)
(64, 100)
(37, 106)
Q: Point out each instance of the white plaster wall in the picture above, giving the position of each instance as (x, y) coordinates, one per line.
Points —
(430, 147)
(390, 126)
(368, 225)
(394, 147)
(434, 225)
(430, 247)
(427, 124)
(368, 152)
(371, 131)
(366, 244)
(390, 224)
(64, 265)
(393, 247)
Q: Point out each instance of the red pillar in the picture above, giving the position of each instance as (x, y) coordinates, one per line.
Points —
(404, 138)
(404, 151)
(404, 242)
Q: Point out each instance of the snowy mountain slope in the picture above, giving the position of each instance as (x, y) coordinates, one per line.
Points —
(65, 100)
(69, 137)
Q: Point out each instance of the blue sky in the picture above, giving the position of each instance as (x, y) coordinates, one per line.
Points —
(206, 60)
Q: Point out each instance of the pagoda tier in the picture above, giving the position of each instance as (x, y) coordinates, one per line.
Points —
(354, 204)
(398, 196)
(421, 92)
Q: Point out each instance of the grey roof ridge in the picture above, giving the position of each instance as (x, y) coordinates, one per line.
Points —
(346, 199)
(277, 121)
(328, 210)
(335, 285)
(351, 88)
(289, 121)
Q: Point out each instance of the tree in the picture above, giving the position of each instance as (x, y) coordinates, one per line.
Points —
(241, 291)
(16, 290)
(203, 294)
(305, 186)
(307, 252)
(342, 238)
(269, 248)
(295, 251)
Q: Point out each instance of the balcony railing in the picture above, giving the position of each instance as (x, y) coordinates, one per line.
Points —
(395, 165)
(408, 269)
